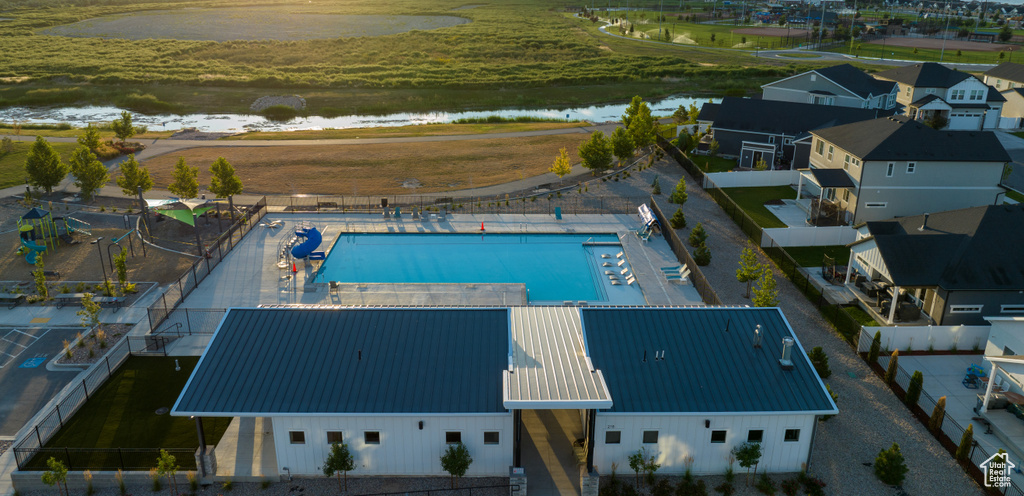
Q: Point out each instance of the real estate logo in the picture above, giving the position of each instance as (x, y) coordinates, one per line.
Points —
(997, 470)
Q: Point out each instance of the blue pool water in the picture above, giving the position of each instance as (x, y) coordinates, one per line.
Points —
(553, 267)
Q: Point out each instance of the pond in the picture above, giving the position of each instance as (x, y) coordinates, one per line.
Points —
(250, 23)
(80, 116)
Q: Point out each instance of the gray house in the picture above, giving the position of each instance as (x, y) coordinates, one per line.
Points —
(768, 130)
(841, 85)
(958, 267)
(898, 167)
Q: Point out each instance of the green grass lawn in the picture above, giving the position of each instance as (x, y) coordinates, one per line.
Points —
(12, 165)
(813, 256)
(122, 413)
(923, 54)
(752, 200)
(861, 316)
(716, 164)
(1019, 134)
(1015, 195)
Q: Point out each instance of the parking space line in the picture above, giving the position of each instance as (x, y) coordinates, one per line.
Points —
(23, 347)
(25, 333)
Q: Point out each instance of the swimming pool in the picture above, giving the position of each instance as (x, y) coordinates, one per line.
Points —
(554, 267)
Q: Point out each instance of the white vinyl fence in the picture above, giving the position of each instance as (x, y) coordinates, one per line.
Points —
(926, 338)
(808, 236)
(747, 179)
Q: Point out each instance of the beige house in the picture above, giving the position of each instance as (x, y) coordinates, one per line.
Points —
(931, 90)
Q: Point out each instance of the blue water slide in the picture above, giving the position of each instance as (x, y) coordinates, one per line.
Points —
(33, 249)
(305, 248)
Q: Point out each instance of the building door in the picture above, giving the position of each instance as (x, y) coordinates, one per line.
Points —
(548, 453)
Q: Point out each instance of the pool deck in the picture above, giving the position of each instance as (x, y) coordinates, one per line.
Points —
(237, 283)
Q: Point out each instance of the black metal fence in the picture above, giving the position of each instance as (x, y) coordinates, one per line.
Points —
(189, 321)
(707, 293)
(502, 490)
(104, 458)
(75, 395)
(950, 432)
(539, 203)
(159, 311)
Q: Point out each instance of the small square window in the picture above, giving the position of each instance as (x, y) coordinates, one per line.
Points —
(717, 436)
(650, 437)
(889, 169)
(911, 166)
(452, 437)
(612, 437)
(371, 437)
(335, 437)
(297, 437)
(792, 435)
(492, 437)
(755, 436)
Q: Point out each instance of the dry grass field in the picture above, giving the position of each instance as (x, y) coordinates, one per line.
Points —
(377, 168)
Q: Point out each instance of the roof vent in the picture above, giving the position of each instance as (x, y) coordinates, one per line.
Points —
(924, 223)
(757, 336)
(787, 353)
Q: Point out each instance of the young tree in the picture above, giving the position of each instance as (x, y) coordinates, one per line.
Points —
(224, 182)
(562, 166)
(876, 346)
(963, 450)
(622, 144)
(121, 268)
(90, 138)
(748, 454)
(123, 127)
(679, 195)
(890, 371)
(44, 167)
(90, 312)
(938, 415)
(678, 220)
(820, 362)
(57, 474)
(6, 145)
(39, 276)
(90, 174)
(749, 269)
(914, 389)
(339, 462)
(596, 152)
(642, 127)
(632, 110)
(702, 255)
(186, 182)
(456, 461)
(1005, 34)
(637, 461)
(713, 148)
(766, 292)
(698, 236)
(890, 467)
(133, 176)
(166, 465)
(680, 116)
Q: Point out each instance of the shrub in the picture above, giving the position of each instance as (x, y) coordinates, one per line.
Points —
(938, 415)
(914, 388)
(122, 489)
(820, 361)
(702, 255)
(890, 468)
(155, 478)
(679, 195)
(765, 485)
(890, 372)
(265, 483)
(698, 235)
(227, 485)
(678, 220)
(193, 481)
(876, 346)
(726, 489)
(656, 187)
(790, 487)
(964, 449)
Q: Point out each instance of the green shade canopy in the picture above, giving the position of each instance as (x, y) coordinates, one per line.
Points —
(185, 210)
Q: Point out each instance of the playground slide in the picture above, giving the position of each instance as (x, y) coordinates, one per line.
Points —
(33, 248)
(305, 248)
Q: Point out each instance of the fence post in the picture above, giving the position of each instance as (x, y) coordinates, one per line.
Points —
(67, 454)
(107, 359)
(84, 388)
(38, 437)
(120, 455)
(60, 419)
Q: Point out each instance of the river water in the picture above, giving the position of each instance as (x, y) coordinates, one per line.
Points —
(80, 116)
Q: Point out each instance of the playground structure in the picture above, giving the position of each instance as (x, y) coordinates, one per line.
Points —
(39, 231)
(307, 238)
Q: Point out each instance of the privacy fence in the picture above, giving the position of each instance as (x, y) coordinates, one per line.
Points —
(540, 203)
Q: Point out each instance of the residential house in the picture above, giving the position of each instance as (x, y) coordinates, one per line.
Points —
(1013, 109)
(959, 267)
(897, 166)
(1005, 76)
(930, 91)
(753, 130)
(400, 384)
(841, 85)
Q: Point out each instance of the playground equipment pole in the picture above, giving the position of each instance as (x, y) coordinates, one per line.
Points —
(143, 209)
(195, 227)
(100, 251)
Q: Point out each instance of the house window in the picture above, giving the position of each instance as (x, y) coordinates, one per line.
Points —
(297, 437)
(792, 435)
(612, 437)
(820, 149)
(911, 166)
(930, 91)
(492, 437)
(999, 83)
(755, 436)
(650, 437)
(717, 437)
(334, 437)
(875, 204)
(846, 195)
(846, 162)
(831, 149)
(965, 308)
(977, 94)
(889, 169)
(957, 95)
(1011, 308)
(908, 90)
(788, 141)
(371, 437)
(771, 139)
(452, 437)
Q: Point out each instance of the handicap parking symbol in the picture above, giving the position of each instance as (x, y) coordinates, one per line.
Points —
(32, 363)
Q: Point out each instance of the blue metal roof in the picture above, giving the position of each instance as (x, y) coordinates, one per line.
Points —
(706, 369)
(306, 361)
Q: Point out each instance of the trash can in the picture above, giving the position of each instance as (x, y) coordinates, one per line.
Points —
(383, 203)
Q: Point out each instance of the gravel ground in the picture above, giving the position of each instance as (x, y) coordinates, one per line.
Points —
(871, 418)
(315, 487)
(5, 445)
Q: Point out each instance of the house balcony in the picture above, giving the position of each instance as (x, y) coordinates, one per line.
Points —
(875, 298)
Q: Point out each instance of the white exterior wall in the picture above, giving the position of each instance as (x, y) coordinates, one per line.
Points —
(747, 179)
(808, 236)
(1005, 332)
(680, 436)
(928, 338)
(404, 449)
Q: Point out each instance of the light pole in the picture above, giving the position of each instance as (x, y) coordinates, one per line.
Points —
(100, 251)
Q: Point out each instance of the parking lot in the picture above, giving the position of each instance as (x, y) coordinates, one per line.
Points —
(25, 383)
